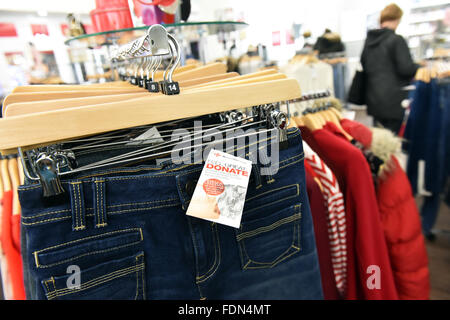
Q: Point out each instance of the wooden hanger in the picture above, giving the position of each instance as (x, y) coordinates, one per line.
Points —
(48, 105)
(58, 125)
(242, 77)
(94, 86)
(21, 173)
(275, 76)
(311, 122)
(5, 175)
(208, 79)
(21, 108)
(203, 71)
(33, 96)
(15, 183)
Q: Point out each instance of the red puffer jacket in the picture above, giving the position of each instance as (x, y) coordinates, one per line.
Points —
(402, 229)
(399, 215)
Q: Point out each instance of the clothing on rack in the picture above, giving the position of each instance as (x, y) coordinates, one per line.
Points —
(311, 76)
(144, 234)
(104, 211)
(366, 245)
(12, 253)
(428, 145)
(335, 206)
(319, 215)
(399, 213)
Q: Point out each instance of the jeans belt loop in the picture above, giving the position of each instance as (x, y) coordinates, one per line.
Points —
(99, 196)
(77, 206)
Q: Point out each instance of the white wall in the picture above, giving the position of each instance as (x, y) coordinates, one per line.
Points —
(347, 17)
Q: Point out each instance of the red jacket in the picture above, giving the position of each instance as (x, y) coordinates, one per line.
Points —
(401, 222)
(366, 245)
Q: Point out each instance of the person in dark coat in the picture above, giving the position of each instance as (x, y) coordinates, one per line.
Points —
(389, 67)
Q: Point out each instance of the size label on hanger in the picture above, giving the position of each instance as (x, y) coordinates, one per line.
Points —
(152, 86)
(220, 192)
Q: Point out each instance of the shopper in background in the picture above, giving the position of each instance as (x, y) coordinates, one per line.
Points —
(388, 66)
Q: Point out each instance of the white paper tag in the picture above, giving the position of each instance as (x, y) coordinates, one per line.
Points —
(150, 136)
(220, 192)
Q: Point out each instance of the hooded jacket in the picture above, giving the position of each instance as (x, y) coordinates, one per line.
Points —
(388, 66)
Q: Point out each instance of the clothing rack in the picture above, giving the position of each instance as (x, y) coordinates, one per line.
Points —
(313, 96)
(332, 55)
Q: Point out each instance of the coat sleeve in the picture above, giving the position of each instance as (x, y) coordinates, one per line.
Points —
(402, 59)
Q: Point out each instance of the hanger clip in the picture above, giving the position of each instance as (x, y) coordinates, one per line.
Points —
(46, 169)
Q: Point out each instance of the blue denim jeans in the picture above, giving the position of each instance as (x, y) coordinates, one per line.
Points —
(127, 232)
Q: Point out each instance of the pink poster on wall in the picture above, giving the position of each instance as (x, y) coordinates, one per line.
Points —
(276, 38)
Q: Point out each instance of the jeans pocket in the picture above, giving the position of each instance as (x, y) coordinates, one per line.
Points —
(120, 279)
(269, 239)
(102, 266)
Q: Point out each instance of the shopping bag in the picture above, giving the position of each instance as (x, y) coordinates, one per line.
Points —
(357, 93)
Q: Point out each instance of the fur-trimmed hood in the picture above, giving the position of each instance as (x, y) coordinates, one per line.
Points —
(382, 142)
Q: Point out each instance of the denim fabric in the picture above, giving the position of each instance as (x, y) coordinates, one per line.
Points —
(429, 139)
(127, 231)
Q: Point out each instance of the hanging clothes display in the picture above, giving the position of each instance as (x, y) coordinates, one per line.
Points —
(399, 213)
(366, 245)
(116, 207)
(194, 183)
(336, 215)
(428, 140)
(312, 74)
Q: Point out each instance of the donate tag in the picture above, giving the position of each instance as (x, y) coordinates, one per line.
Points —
(220, 192)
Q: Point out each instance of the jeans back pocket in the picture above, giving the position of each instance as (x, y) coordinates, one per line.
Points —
(269, 239)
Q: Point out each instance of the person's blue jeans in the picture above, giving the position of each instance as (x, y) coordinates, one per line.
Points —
(127, 231)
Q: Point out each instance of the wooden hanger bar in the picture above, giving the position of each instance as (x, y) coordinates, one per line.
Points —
(208, 79)
(94, 86)
(247, 76)
(30, 97)
(17, 109)
(22, 108)
(74, 87)
(58, 125)
(203, 71)
(275, 76)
